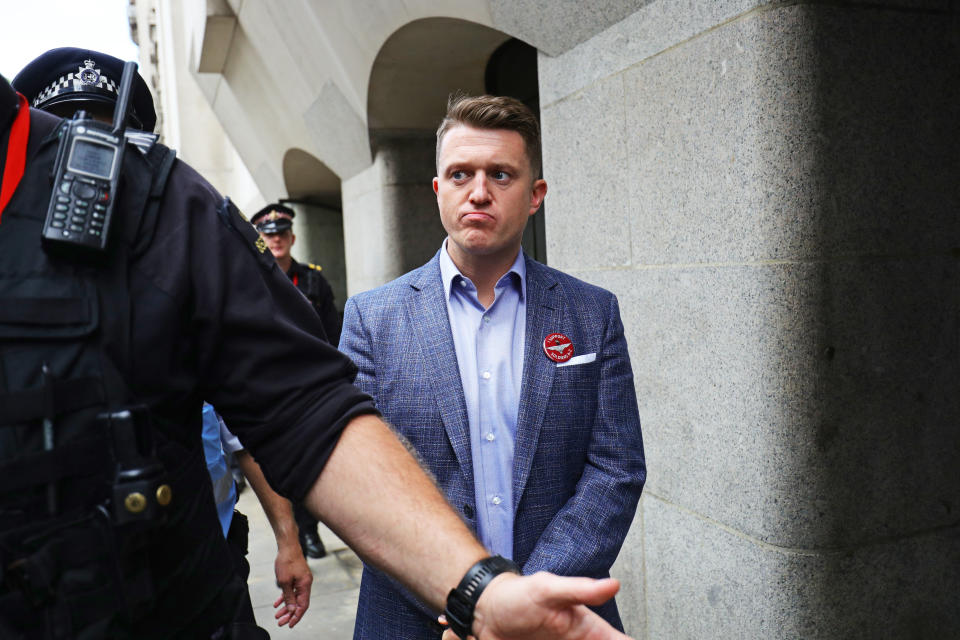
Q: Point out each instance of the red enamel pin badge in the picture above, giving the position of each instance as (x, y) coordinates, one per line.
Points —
(558, 347)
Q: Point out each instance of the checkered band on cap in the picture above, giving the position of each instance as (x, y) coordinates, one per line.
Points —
(85, 78)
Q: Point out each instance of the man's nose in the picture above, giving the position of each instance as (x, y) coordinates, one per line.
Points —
(479, 193)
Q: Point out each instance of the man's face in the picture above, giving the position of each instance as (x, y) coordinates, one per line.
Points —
(279, 243)
(485, 192)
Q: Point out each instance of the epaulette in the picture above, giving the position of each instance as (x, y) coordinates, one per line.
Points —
(143, 140)
(315, 267)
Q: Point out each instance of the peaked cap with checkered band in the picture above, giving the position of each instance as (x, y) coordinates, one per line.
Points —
(69, 74)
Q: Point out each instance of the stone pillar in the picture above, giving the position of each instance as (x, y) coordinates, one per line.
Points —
(390, 218)
(772, 192)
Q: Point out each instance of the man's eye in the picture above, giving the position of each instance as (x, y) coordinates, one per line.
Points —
(458, 175)
(500, 175)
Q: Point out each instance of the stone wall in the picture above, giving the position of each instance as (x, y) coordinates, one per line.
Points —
(772, 191)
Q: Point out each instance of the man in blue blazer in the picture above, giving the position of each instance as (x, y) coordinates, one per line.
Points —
(510, 379)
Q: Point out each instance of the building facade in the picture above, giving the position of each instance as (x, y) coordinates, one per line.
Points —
(770, 188)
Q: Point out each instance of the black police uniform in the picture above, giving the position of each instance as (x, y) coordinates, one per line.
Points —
(278, 218)
(170, 331)
(310, 281)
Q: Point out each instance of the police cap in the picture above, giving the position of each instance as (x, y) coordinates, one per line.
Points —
(69, 74)
(273, 218)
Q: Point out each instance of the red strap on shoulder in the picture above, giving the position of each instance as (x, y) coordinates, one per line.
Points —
(16, 152)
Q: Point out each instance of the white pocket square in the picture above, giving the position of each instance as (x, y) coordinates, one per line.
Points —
(584, 359)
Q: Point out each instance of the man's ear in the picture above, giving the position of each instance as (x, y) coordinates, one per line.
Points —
(537, 194)
(293, 238)
(436, 185)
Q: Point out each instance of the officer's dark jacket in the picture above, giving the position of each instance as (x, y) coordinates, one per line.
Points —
(208, 316)
(312, 284)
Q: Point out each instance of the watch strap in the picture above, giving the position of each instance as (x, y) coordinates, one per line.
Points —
(462, 601)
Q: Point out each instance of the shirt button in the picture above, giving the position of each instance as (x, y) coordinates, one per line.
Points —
(486, 318)
(463, 283)
(491, 437)
(486, 375)
(496, 500)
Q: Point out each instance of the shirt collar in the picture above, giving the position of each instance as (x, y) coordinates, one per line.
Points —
(449, 271)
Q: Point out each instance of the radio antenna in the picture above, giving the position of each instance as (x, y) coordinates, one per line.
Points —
(122, 109)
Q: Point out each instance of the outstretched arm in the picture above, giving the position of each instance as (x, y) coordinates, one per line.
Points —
(375, 496)
(293, 574)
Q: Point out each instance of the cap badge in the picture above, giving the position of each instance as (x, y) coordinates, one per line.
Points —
(87, 73)
(558, 347)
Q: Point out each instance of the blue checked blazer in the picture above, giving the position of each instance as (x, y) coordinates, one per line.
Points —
(578, 455)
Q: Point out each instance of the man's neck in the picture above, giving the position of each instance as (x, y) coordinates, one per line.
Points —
(285, 263)
(484, 271)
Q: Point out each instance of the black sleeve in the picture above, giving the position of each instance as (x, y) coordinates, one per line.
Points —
(252, 337)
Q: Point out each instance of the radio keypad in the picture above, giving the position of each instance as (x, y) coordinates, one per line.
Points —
(73, 211)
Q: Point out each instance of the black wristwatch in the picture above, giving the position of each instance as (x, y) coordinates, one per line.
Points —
(462, 600)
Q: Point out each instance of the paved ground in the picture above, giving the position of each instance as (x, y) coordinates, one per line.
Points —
(336, 582)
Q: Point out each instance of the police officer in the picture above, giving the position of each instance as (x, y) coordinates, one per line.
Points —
(63, 81)
(107, 522)
(275, 224)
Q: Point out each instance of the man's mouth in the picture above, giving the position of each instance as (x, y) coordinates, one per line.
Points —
(476, 216)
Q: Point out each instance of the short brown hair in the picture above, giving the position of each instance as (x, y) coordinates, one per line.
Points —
(494, 112)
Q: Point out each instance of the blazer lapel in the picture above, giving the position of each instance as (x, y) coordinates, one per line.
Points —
(427, 310)
(544, 306)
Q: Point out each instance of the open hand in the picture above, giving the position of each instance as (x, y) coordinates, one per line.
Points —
(542, 606)
(294, 579)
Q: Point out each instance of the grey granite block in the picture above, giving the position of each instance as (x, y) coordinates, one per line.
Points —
(585, 164)
(651, 29)
(704, 580)
(659, 26)
(407, 158)
(413, 225)
(806, 405)
(783, 135)
(554, 26)
(629, 569)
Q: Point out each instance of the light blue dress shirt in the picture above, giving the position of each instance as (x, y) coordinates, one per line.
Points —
(217, 442)
(489, 345)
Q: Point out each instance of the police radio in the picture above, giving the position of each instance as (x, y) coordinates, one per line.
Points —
(86, 177)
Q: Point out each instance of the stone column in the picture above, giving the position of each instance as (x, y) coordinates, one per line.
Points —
(391, 223)
(772, 191)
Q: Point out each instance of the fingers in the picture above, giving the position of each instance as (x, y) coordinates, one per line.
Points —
(303, 595)
(544, 606)
(557, 591)
(287, 612)
(294, 579)
(294, 601)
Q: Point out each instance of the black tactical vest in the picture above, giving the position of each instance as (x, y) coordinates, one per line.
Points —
(82, 495)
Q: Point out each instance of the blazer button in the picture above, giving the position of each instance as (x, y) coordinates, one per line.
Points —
(468, 511)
